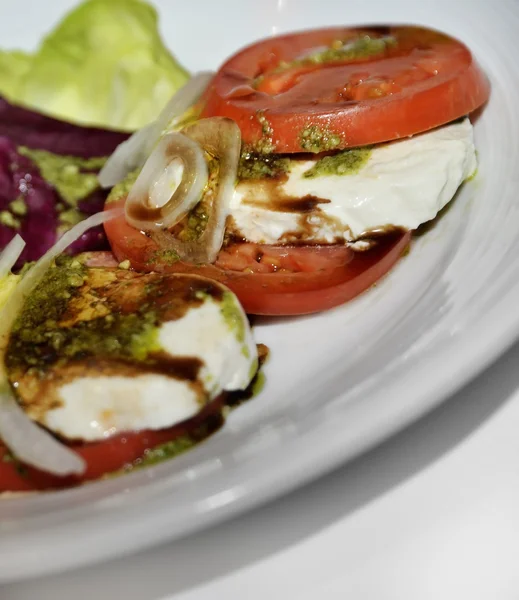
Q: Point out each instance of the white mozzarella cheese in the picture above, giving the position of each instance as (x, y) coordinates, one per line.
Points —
(223, 343)
(94, 408)
(217, 333)
(403, 184)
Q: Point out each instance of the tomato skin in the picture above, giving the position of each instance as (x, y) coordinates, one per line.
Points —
(309, 278)
(427, 80)
(106, 456)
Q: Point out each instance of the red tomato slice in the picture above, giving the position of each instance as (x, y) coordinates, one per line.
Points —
(272, 280)
(115, 453)
(420, 80)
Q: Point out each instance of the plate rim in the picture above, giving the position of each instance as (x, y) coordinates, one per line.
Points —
(286, 478)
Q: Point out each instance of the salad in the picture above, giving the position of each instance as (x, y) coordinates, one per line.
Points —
(138, 234)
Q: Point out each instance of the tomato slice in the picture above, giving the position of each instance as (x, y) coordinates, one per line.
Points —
(273, 280)
(108, 456)
(294, 93)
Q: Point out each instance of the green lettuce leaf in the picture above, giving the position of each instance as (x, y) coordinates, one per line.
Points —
(104, 64)
(13, 66)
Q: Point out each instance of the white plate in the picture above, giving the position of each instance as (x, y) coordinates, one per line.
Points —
(337, 382)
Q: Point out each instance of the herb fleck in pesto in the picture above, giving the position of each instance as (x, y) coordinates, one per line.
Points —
(122, 189)
(196, 222)
(316, 139)
(74, 178)
(265, 144)
(266, 129)
(347, 162)
(125, 264)
(166, 257)
(194, 226)
(261, 166)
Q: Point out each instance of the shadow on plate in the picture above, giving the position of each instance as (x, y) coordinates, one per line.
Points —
(208, 555)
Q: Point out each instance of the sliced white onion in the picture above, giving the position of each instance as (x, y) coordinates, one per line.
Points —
(26, 440)
(221, 138)
(37, 271)
(175, 201)
(128, 155)
(33, 445)
(184, 99)
(133, 153)
(10, 254)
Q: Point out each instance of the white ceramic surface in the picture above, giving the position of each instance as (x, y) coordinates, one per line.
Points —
(338, 382)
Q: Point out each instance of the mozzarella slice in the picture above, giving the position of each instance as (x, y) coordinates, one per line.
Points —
(220, 336)
(216, 334)
(201, 346)
(403, 184)
(94, 408)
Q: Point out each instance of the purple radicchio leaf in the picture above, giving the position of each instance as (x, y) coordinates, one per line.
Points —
(29, 205)
(21, 182)
(35, 130)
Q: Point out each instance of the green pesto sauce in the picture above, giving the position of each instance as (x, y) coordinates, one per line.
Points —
(196, 223)
(261, 166)
(316, 139)
(198, 216)
(174, 448)
(258, 383)
(253, 371)
(71, 176)
(26, 268)
(347, 162)
(166, 451)
(165, 257)
(37, 338)
(265, 145)
(362, 47)
(122, 189)
(473, 175)
(233, 315)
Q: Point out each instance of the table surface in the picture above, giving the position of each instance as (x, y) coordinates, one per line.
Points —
(430, 514)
